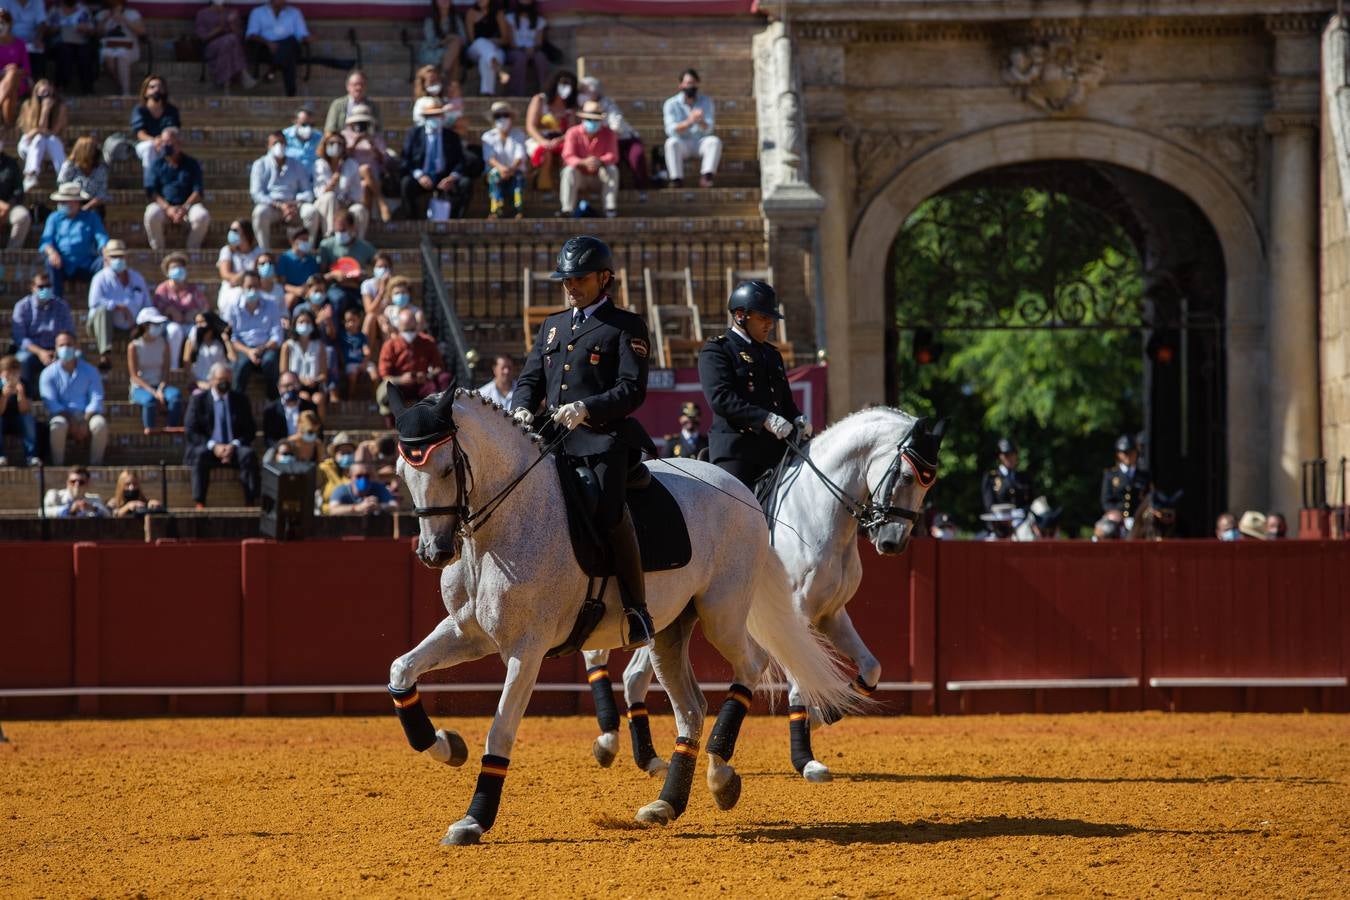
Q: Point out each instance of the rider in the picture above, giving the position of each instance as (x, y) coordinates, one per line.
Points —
(589, 365)
(746, 384)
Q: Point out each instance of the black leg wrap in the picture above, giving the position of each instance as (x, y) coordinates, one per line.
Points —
(602, 692)
(799, 727)
(728, 724)
(413, 718)
(680, 775)
(640, 730)
(487, 794)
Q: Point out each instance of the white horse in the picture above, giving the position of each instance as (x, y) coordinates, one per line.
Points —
(881, 454)
(512, 586)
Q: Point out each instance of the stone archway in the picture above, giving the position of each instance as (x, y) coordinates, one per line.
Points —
(860, 344)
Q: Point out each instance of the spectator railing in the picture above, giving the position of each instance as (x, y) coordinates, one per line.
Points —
(441, 316)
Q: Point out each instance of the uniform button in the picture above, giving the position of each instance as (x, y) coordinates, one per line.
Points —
(567, 367)
(564, 387)
(569, 346)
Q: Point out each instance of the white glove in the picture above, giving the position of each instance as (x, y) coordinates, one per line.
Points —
(571, 415)
(778, 426)
(523, 417)
(804, 426)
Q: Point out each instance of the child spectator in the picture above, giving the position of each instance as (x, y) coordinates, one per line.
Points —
(207, 343)
(74, 501)
(148, 367)
(179, 301)
(296, 266)
(42, 124)
(356, 355)
(127, 499)
(16, 411)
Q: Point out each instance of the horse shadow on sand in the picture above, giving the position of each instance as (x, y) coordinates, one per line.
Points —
(913, 778)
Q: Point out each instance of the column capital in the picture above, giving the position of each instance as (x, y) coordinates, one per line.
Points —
(1294, 24)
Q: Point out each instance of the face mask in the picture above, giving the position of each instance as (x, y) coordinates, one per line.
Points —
(564, 91)
(380, 272)
(451, 116)
(316, 298)
(690, 92)
(233, 238)
(66, 353)
(361, 483)
(178, 273)
(334, 151)
(285, 458)
(309, 437)
(591, 126)
(503, 123)
(303, 329)
(431, 126)
(345, 459)
(302, 247)
(401, 299)
(118, 264)
(222, 388)
(252, 296)
(131, 493)
(1231, 534)
(44, 294)
(265, 270)
(72, 210)
(304, 132)
(154, 329)
(434, 89)
(291, 395)
(344, 238)
(155, 96)
(407, 335)
(278, 151)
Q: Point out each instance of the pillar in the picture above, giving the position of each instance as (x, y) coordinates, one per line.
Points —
(832, 177)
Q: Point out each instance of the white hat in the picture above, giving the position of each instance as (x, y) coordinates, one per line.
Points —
(149, 314)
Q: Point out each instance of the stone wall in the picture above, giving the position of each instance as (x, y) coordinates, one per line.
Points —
(1335, 281)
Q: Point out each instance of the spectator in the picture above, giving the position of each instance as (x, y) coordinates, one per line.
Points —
(943, 528)
(17, 56)
(148, 359)
(431, 99)
(274, 34)
(689, 121)
(148, 121)
(127, 499)
(631, 150)
(72, 240)
(72, 392)
(489, 36)
(334, 469)
(442, 40)
(207, 344)
(433, 166)
(689, 441)
(38, 319)
(42, 123)
(366, 146)
(179, 301)
(1252, 525)
(304, 440)
(222, 38)
(73, 501)
(220, 432)
(120, 31)
(547, 119)
(12, 209)
(302, 141)
(74, 51)
(398, 297)
(255, 328)
(411, 363)
(375, 300)
(239, 255)
(281, 417)
(16, 410)
(314, 297)
(503, 383)
(529, 31)
(338, 186)
(1277, 529)
(268, 282)
(362, 495)
(506, 159)
(356, 356)
(176, 194)
(1225, 528)
(1110, 527)
(306, 356)
(280, 452)
(344, 106)
(86, 169)
(328, 326)
(590, 158)
(297, 266)
(343, 242)
(282, 192)
(117, 294)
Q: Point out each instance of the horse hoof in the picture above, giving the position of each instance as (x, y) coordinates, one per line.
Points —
(463, 833)
(816, 773)
(449, 748)
(658, 812)
(656, 766)
(605, 748)
(727, 795)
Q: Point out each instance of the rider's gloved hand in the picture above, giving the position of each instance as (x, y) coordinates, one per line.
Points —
(523, 417)
(778, 426)
(571, 415)
(804, 426)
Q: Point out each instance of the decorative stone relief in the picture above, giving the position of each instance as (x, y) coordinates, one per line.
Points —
(878, 152)
(1055, 75)
(1235, 148)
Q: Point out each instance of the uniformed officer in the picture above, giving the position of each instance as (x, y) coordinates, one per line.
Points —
(689, 440)
(1125, 485)
(589, 364)
(746, 384)
(1004, 484)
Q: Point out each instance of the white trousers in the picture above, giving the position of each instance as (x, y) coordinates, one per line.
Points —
(98, 439)
(484, 52)
(707, 148)
(328, 206)
(176, 334)
(265, 215)
(199, 219)
(20, 220)
(39, 147)
(574, 181)
(148, 154)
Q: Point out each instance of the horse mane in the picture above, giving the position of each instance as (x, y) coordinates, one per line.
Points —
(433, 415)
(491, 406)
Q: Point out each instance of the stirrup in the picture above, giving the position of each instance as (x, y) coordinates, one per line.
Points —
(638, 625)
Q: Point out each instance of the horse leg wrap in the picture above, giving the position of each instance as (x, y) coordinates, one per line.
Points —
(602, 692)
(640, 730)
(799, 728)
(487, 794)
(728, 724)
(413, 718)
(680, 775)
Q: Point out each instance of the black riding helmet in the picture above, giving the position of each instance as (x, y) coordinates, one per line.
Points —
(755, 296)
(583, 255)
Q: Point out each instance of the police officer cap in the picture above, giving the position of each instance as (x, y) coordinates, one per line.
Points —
(755, 296)
(583, 255)
(691, 410)
(1125, 443)
(1006, 445)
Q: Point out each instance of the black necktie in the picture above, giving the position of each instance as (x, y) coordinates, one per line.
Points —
(578, 318)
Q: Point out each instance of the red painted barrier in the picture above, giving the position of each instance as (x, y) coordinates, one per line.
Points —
(37, 648)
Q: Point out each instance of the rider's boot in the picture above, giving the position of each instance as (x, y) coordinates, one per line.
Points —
(638, 628)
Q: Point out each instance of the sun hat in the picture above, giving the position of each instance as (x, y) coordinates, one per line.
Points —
(592, 110)
(68, 192)
(1253, 525)
(150, 314)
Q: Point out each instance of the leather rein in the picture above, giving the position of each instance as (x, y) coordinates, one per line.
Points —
(878, 510)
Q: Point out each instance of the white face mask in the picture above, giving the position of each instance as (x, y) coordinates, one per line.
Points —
(503, 123)
(278, 151)
(564, 91)
(434, 89)
(334, 151)
(407, 335)
(303, 132)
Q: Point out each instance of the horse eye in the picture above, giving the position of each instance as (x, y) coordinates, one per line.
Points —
(908, 478)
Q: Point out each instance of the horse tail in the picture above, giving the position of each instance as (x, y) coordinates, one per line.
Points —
(794, 647)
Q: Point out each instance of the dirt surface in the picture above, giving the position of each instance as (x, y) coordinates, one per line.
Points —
(1129, 804)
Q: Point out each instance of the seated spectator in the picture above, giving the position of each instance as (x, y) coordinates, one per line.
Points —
(72, 392)
(433, 167)
(117, 294)
(313, 296)
(296, 267)
(280, 452)
(343, 243)
(268, 282)
(356, 355)
(176, 195)
(362, 495)
(1225, 528)
(398, 297)
(365, 145)
(218, 28)
(282, 192)
(16, 411)
(1252, 525)
(127, 499)
(333, 470)
(302, 141)
(943, 528)
(547, 119)
(432, 99)
(490, 35)
(207, 343)
(1277, 529)
(274, 34)
(42, 127)
(179, 301)
(15, 60)
(255, 328)
(506, 163)
(631, 151)
(375, 300)
(503, 383)
(442, 41)
(590, 159)
(148, 358)
(304, 441)
(220, 432)
(38, 319)
(72, 240)
(410, 363)
(281, 417)
(239, 255)
(338, 186)
(1000, 521)
(120, 31)
(1110, 527)
(149, 119)
(344, 106)
(85, 167)
(306, 356)
(12, 210)
(74, 501)
(529, 31)
(73, 46)
(689, 121)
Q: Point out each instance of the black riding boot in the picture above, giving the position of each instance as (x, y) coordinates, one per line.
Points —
(638, 628)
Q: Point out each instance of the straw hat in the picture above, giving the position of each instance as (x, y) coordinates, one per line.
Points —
(115, 247)
(360, 113)
(177, 256)
(68, 193)
(1253, 525)
(501, 108)
(592, 110)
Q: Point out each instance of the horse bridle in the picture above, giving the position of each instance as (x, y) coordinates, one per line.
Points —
(878, 510)
(417, 453)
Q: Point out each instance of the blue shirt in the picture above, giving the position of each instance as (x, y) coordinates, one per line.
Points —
(253, 329)
(270, 183)
(677, 109)
(347, 495)
(39, 323)
(80, 391)
(353, 347)
(303, 152)
(263, 22)
(296, 270)
(79, 240)
(175, 183)
(27, 18)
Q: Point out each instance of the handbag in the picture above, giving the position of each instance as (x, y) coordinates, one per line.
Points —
(438, 209)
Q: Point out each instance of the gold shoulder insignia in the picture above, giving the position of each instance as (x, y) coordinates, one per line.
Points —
(552, 333)
(746, 356)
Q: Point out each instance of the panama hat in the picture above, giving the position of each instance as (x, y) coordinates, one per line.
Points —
(501, 108)
(360, 113)
(115, 247)
(592, 110)
(1253, 525)
(150, 314)
(68, 193)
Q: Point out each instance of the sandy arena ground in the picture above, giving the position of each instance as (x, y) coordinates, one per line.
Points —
(1132, 804)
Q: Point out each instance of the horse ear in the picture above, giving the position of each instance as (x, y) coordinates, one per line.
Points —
(394, 397)
(938, 430)
(445, 405)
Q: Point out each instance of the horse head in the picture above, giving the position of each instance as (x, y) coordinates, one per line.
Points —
(433, 468)
(901, 490)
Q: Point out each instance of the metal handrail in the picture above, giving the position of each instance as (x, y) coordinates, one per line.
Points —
(442, 320)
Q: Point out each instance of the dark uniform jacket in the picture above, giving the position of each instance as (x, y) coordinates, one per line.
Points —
(999, 488)
(744, 382)
(603, 364)
(1122, 492)
(677, 445)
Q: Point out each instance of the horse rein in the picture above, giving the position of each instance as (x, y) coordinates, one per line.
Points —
(875, 513)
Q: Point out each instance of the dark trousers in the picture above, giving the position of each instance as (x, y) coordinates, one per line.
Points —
(244, 371)
(415, 197)
(71, 272)
(632, 152)
(203, 461)
(744, 470)
(79, 60)
(611, 470)
(284, 58)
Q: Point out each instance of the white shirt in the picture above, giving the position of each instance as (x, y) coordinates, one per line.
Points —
(524, 35)
(292, 414)
(107, 290)
(348, 190)
(590, 310)
(491, 392)
(507, 149)
(263, 22)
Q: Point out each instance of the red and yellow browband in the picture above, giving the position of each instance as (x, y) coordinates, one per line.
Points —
(417, 455)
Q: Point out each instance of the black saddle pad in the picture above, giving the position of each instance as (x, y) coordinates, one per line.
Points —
(661, 530)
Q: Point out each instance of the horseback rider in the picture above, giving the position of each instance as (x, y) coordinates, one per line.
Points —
(589, 365)
(746, 384)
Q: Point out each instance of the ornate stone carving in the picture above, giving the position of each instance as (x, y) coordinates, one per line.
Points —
(879, 152)
(1235, 148)
(1054, 75)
